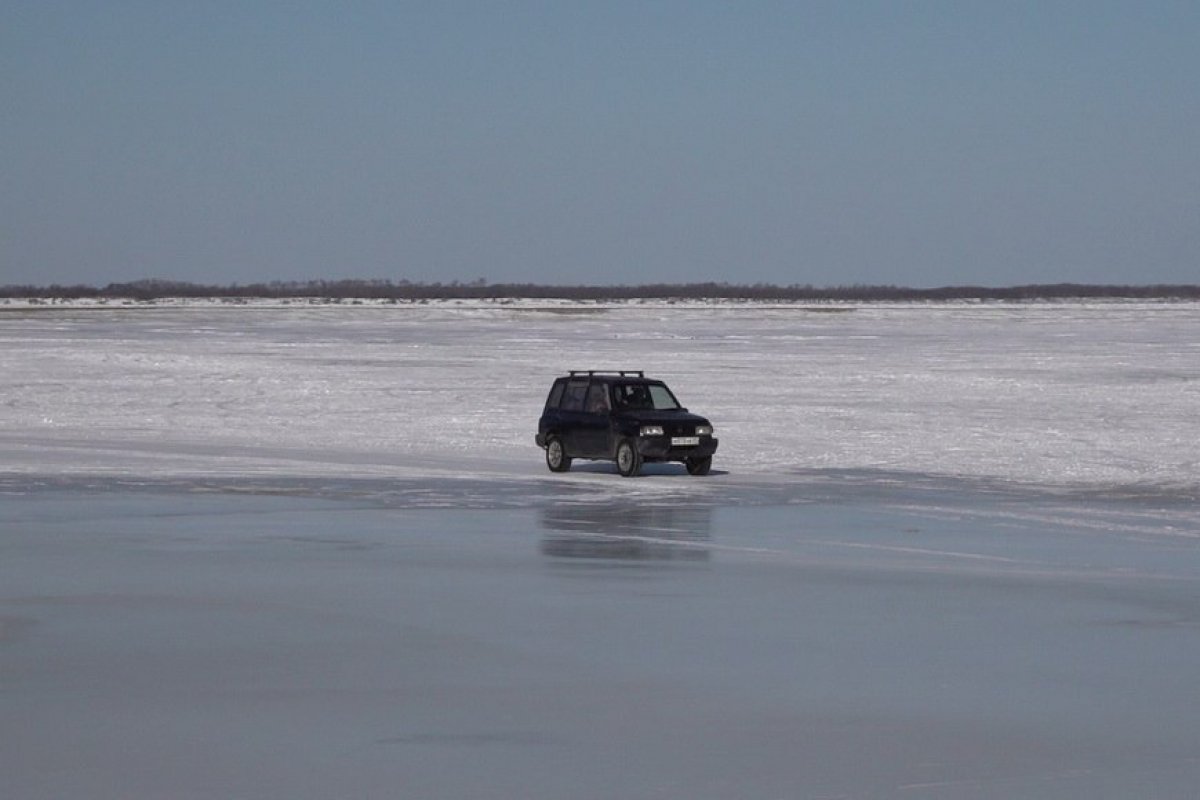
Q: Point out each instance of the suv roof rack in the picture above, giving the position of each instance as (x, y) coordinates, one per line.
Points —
(624, 373)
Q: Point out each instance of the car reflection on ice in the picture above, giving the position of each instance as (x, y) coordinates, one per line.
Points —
(627, 532)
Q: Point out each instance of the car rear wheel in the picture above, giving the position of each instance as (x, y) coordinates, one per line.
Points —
(629, 460)
(698, 466)
(556, 456)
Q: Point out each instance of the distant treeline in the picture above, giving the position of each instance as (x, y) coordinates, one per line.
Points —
(408, 291)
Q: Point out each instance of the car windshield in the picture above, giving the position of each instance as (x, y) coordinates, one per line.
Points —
(655, 396)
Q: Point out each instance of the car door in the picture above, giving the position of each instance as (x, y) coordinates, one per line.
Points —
(592, 430)
(571, 417)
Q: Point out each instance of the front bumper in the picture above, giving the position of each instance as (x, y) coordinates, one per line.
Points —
(659, 448)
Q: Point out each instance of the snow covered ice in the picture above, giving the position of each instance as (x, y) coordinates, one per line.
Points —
(1066, 395)
(303, 551)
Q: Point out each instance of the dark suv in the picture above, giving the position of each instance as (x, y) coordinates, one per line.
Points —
(624, 417)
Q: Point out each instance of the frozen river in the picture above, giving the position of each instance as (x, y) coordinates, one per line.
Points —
(164, 645)
(312, 552)
(1070, 395)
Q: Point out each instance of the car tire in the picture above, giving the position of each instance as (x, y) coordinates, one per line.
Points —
(629, 460)
(698, 466)
(556, 455)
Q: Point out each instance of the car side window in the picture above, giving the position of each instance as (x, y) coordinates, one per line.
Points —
(632, 396)
(597, 398)
(556, 393)
(662, 398)
(573, 396)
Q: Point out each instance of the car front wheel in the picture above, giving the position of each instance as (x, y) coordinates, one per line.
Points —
(629, 460)
(556, 456)
(698, 466)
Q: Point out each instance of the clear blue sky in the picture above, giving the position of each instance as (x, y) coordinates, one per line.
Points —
(920, 144)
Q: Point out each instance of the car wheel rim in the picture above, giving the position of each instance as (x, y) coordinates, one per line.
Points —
(624, 457)
(555, 453)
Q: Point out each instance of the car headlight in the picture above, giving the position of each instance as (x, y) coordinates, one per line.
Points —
(651, 430)
(704, 430)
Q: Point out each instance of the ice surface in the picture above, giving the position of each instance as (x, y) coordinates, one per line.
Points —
(1100, 395)
(309, 551)
(155, 644)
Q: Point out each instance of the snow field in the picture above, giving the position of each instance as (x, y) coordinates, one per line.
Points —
(1096, 395)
